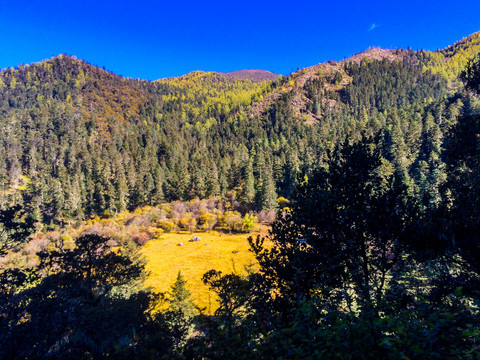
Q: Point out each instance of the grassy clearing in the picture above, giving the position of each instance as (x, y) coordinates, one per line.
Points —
(215, 250)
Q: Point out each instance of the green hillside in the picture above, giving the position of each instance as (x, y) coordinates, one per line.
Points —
(78, 140)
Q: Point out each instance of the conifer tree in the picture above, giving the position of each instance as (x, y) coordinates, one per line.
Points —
(249, 192)
(268, 194)
(181, 297)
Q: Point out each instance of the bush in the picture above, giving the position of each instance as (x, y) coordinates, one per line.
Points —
(188, 222)
(337, 79)
(207, 221)
(166, 225)
(249, 222)
(141, 238)
(155, 214)
(139, 220)
(106, 228)
(197, 207)
(178, 210)
(233, 221)
(267, 216)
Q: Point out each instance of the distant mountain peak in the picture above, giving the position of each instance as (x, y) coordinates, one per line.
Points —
(252, 74)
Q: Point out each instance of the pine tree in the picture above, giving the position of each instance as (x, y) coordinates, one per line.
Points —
(268, 195)
(249, 193)
(180, 297)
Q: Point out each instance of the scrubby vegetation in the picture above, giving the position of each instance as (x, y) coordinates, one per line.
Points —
(178, 218)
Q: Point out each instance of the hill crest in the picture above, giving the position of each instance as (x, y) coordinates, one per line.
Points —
(254, 75)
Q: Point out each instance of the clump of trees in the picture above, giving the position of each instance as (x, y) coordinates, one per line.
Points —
(194, 215)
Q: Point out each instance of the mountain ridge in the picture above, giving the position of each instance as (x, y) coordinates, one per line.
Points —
(467, 46)
(447, 62)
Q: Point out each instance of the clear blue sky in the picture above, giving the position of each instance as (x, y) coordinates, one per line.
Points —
(155, 39)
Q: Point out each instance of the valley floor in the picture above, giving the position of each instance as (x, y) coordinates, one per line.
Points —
(229, 253)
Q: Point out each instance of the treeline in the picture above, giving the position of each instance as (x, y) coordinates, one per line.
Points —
(79, 141)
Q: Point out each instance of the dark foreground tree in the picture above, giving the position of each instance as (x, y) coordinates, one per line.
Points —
(463, 160)
(340, 279)
(85, 305)
(15, 227)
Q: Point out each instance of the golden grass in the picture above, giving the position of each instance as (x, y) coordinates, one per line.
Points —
(222, 252)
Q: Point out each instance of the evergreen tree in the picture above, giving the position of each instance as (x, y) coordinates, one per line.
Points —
(249, 192)
(268, 195)
(180, 298)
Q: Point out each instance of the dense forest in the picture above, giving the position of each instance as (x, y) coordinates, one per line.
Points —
(372, 164)
(80, 141)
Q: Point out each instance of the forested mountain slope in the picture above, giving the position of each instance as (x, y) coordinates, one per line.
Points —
(451, 60)
(77, 140)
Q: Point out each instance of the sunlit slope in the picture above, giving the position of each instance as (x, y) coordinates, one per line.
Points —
(450, 61)
(203, 98)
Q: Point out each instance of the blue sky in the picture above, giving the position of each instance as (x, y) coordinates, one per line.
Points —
(155, 39)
